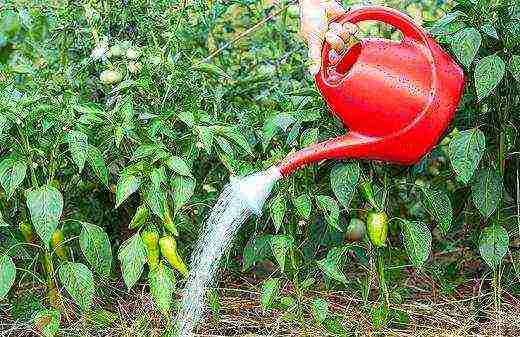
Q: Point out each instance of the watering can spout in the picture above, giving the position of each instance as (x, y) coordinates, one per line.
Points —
(352, 145)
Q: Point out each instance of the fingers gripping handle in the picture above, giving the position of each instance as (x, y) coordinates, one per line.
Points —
(386, 15)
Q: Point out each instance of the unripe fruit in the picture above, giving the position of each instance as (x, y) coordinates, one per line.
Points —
(356, 230)
(169, 251)
(110, 76)
(140, 217)
(27, 231)
(377, 228)
(132, 53)
(293, 11)
(115, 51)
(57, 244)
(151, 241)
(168, 221)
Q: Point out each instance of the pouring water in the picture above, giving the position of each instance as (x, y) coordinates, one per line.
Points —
(241, 198)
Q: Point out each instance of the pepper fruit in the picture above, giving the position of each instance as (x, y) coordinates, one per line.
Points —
(377, 228)
(27, 231)
(169, 251)
(140, 217)
(150, 238)
(356, 230)
(57, 243)
(168, 221)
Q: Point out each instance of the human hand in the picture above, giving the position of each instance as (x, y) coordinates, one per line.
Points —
(316, 16)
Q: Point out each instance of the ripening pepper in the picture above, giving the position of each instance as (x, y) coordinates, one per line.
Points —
(169, 251)
(27, 231)
(140, 217)
(356, 230)
(377, 228)
(150, 238)
(57, 243)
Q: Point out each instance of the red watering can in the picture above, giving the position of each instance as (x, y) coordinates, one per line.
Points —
(396, 98)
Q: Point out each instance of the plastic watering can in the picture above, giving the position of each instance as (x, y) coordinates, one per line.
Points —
(396, 98)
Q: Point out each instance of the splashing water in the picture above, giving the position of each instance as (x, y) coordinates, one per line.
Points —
(241, 198)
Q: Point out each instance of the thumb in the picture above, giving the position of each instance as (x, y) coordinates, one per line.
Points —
(315, 44)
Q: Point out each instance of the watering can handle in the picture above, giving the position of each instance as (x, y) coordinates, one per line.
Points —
(386, 15)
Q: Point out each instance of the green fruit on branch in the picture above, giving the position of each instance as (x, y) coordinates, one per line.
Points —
(57, 243)
(140, 217)
(27, 231)
(168, 221)
(377, 228)
(110, 76)
(150, 238)
(356, 230)
(169, 251)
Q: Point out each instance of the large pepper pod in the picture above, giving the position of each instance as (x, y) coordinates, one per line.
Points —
(169, 251)
(58, 244)
(150, 238)
(27, 231)
(377, 228)
(140, 217)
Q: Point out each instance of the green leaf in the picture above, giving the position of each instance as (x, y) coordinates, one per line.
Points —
(7, 275)
(465, 151)
(490, 30)
(330, 209)
(277, 209)
(465, 45)
(12, 174)
(162, 285)
(280, 245)
(309, 137)
(97, 163)
(132, 255)
(270, 291)
(234, 134)
(330, 266)
(320, 309)
(486, 191)
(257, 249)
(95, 245)
(179, 166)
(126, 186)
(344, 179)
(206, 137)
(488, 73)
(2, 221)
(79, 283)
(438, 203)
(303, 205)
(155, 198)
(514, 67)
(145, 151)
(47, 322)
(78, 147)
(4, 125)
(183, 188)
(493, 245)
(45, 205)
(417, 241)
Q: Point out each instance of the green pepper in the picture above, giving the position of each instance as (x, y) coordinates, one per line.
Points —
(140, 217)
(27, 231)
(169, 251)
(377, 228)
(150, 238)
(57, 243)
(168, 221)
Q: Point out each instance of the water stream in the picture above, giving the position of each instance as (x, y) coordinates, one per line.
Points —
(241, 198)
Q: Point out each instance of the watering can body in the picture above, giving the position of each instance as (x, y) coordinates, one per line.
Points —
(396, 98)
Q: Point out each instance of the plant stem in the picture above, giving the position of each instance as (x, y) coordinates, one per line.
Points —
(381, 273)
